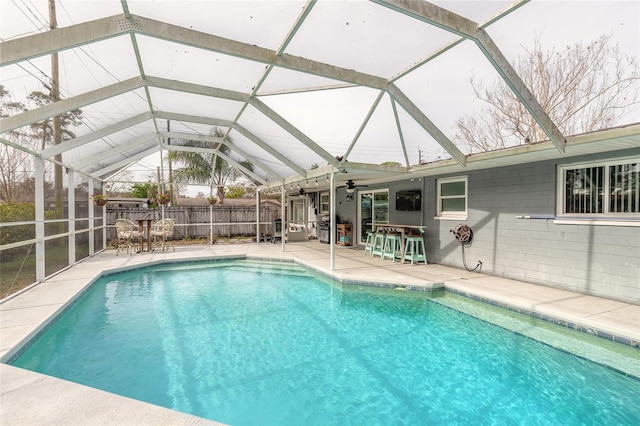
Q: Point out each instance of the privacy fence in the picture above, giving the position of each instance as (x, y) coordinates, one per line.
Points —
(195, 222)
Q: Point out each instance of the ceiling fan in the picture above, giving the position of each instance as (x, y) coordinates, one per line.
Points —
(351, 186)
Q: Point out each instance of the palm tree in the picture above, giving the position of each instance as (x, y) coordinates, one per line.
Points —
(198, 167)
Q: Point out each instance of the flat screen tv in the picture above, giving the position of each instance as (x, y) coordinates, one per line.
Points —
(408, 201)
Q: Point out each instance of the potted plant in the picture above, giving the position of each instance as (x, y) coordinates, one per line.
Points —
(100, 199)
(211, 199)
(163, 198)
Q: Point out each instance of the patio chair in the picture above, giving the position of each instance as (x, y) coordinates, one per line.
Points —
(161, 230)
(127, 232)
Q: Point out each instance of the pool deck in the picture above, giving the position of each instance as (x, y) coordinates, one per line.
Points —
(31, 398)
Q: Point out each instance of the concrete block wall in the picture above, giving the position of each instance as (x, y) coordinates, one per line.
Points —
(598, 260)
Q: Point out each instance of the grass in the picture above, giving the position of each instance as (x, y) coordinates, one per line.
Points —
(18, 266)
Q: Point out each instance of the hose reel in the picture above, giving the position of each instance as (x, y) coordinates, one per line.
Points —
(463, 233)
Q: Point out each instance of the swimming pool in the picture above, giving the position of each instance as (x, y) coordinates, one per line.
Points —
(251, 342)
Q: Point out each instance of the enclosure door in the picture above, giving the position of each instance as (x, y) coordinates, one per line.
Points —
(373, 208)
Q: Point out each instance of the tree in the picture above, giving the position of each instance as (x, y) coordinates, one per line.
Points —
(144, 190)
(241, 192)
(582, 88)
(206, 167)
(16, 175)
(43, 130)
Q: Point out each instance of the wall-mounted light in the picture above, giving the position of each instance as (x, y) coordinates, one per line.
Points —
(351, 190)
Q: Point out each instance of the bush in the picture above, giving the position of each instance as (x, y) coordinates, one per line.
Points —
(17, 212)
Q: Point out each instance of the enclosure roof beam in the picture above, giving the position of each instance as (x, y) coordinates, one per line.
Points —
(240, 129)
(241, 97)
(457, 24)
(98, 134)
(260, 106)
(215, 139)
(197, 89)
(95, 159)
(228, 123)
(32, 46)
(228, 159)
(291, 129)
(123, 163)
(211, 121)
(417, 114)
(285, 160)
(60, 107)
(76, 35)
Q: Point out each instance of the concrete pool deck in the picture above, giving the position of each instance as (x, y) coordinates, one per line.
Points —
(31, 398)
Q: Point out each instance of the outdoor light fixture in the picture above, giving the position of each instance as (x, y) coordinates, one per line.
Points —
(351, 186)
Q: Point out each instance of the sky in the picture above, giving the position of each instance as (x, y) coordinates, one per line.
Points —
(351, 34)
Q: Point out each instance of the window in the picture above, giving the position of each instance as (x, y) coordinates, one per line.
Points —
(452, 198)
(324, 202)
(603, 188)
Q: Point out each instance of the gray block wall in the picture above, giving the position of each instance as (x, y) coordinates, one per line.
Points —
(589, 259)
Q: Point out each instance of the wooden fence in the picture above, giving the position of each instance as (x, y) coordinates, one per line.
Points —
(195, 222)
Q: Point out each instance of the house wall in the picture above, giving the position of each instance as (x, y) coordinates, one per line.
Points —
(598, 260)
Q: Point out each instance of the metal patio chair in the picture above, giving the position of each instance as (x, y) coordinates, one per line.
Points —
(127, 232)
(161, 230)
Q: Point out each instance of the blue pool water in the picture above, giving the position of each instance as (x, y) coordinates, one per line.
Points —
(243, 343)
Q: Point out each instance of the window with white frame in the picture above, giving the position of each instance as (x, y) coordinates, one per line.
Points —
(324, 202)
(600, 188)
(452, 198)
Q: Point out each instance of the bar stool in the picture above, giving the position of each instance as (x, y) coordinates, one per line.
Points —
(392, 246)
(368, 245)
(378, 244)
(414, 249)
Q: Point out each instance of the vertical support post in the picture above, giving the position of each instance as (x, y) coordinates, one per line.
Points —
(257, 216)
(92, 223)
(282, 214)
(38, 164)
(210, 223)
(104, 224)
(71, 214)
(332, 221)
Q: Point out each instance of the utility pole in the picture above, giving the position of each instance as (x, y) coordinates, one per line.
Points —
(55, 97)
